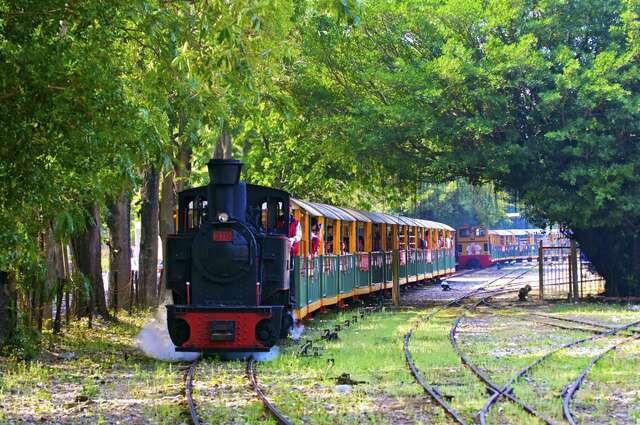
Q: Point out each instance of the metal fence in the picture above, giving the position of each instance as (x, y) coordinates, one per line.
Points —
(565, 273)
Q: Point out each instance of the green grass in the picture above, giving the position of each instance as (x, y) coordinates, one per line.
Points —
(123, 385)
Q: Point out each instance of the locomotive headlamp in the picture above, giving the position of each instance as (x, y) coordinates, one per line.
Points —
(223, 217)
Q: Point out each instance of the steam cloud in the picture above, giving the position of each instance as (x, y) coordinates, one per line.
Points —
(154, 341)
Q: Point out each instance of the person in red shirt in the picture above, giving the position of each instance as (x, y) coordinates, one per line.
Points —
(295, 235)
(315, 238)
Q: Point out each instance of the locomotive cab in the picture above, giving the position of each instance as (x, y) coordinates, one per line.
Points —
(228, 265)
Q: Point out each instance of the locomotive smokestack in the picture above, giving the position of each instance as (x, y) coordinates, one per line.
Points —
(226, 194)
(224, 171)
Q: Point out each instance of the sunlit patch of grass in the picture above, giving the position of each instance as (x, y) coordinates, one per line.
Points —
(106, 368)
(500, 345)
(610, 390)
(100, 365)
(305, 389)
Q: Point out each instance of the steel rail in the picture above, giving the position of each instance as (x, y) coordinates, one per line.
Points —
(571, 389)
(507, 387)
(188, 392)
(584, 322)
(251, 373)
(429, 389)
(485, 379)
(568, 328)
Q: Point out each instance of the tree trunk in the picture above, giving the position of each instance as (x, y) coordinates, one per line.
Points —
(55, 275)
(7, 308)
(119, 223)
(86, 254)
(149, 215)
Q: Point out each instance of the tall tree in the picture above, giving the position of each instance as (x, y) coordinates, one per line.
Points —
(7, 308)
(119, 223)
(148, 262)
(87, 249)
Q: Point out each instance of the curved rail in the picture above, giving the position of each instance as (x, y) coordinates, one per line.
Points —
(429, 389)
(583, 322)
(571, 389)
(507, 387)
(188, 392)
(485, 380)
(251, 373)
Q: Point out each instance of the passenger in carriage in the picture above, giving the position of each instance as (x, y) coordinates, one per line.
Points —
(328, 248)
(360, 244)
(422, 244)
(315, 238)
(376, 242)
(295, 235)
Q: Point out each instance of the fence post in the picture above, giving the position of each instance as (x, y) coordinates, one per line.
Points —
(540, 270)
(574, 270)
(395, 277)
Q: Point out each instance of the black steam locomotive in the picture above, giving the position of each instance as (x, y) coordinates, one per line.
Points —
(228, 265)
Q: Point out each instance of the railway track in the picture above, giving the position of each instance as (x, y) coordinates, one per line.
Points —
(327, 334)
(490, 385)
(273, 411)
(429, 389)
(572, 388)
(251, 376)
(583, 322)
(507, 388)
(188, 393)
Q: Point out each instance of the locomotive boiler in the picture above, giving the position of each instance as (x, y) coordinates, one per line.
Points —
(228, 265)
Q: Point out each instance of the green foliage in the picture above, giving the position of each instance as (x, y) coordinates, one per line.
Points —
(540, 98)
(460, 203)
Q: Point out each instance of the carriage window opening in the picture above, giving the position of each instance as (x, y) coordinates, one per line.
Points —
(329, 237)
(345, 246)
(360, 237)
(389, 236)
(463, 233)
(412, 237)
(480, 231)
(376, 238)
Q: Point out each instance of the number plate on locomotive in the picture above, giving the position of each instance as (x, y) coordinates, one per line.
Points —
(222, 330)
(225, 235)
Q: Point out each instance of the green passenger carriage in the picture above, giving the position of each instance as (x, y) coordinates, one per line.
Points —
(353, 253)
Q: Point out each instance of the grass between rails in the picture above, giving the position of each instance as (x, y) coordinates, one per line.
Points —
(306, 389)
(121, 386)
